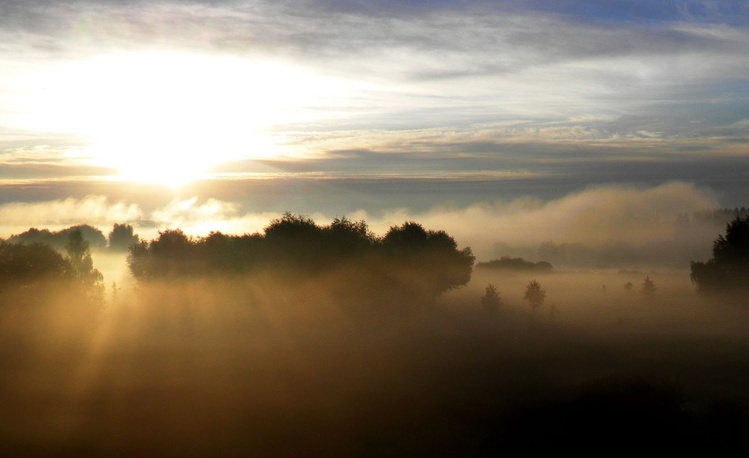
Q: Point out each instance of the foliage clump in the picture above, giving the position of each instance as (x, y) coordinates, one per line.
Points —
(491, 300)
(534, 294)
(408, 259)
(37, 267)
(728, 269)
(121, 237)
(23, 265)
(59, 239)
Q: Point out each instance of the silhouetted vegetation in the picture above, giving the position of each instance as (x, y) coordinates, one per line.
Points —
(648, 288)
(534, 294)
(23, 265)
(491, 300)
(408, 259)
(720, 216)
(83, 271)
(213, 343)
(728, 269)
(59, 239)
(508, 263)
(121, 237)
(36, 268)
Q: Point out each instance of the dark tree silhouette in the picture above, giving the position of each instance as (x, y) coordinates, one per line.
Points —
(173, 254)
(534, 294)
(430, 260)
(728, 270)
(346, 237)
(295, 241)
(491, 301)
(79, 257)
(24, 264)
(408, 260)
(648, 288)
(121, 237)
(59, 239)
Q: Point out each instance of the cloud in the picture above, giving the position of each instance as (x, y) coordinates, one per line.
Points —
(94, 210)
(639, 222)
(595, 217)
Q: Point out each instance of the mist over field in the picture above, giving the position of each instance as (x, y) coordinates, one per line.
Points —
(378, 228)
(323, 359)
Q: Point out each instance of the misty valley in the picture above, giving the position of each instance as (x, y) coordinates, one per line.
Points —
(330, 340)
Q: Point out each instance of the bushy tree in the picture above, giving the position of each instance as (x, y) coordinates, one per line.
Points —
(409, 260)
(728, 269)
(491, 300)
(25, 264)
(173, 254)
(431, 258)
(534, 294)
(121, 237)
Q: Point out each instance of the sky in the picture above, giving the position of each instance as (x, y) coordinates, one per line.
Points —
(222, 114)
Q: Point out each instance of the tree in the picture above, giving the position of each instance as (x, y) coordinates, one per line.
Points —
(728, 269)
(79, 256)
(491, 301)
(173, 254)
(295, 241)
(648, 288)
(429, 260)
(24, 264)
(534, 294)
(408, 261)
(121, 237)
(59, 239)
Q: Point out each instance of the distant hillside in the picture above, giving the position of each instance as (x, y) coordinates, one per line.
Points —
(719, 216)
(508, 263)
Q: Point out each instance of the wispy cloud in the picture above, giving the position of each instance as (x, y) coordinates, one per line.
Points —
(94, 210)
(449, 86)
(596, 217)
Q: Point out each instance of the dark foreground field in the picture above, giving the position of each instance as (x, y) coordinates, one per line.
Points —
(254, 369)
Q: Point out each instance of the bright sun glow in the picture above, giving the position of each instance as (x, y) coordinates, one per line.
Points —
(168, 117)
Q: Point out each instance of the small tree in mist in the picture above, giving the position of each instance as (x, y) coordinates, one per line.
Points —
(79, 256)
(534, 294)
(491, 301)
(728, 270)
(648, 288)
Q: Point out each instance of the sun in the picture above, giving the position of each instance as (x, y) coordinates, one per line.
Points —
(168, 117)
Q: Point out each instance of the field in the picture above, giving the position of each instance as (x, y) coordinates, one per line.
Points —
(266, 368)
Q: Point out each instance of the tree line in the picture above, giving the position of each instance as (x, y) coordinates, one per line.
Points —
(728, 269)
(119, 238)
(33, 265)
(407, 259)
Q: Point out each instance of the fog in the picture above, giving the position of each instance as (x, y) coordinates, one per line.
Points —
(598, 227)
(349, 355)
(275, 366)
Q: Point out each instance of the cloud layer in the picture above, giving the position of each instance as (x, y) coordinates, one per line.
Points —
(596, 218)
